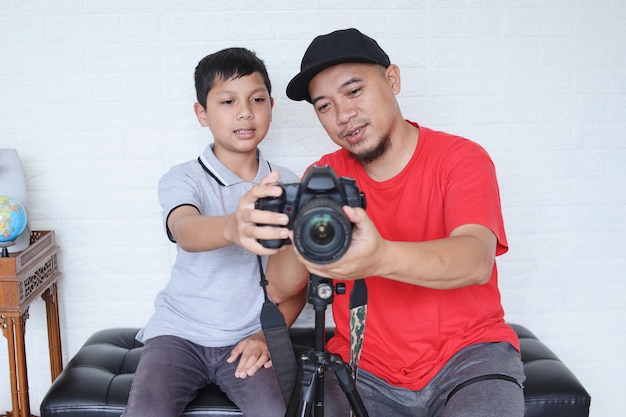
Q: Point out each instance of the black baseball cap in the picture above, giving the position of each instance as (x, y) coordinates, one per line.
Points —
(338, 47)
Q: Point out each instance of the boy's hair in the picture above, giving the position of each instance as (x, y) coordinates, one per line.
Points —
(227, 64)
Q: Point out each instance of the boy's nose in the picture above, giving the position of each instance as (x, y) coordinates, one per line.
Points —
(245, 113)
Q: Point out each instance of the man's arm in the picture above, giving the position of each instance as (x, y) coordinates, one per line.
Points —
(292, 307)
(287, 277)
(252, 351)
(464, 258)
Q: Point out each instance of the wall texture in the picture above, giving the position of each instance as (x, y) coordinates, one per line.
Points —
(97, 98)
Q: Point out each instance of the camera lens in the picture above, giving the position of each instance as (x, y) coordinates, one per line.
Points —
(322, 232)
(321, 229)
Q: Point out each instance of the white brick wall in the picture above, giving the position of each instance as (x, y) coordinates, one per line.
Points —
(97, 96)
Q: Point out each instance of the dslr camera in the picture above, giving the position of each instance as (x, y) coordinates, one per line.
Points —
(321, 231)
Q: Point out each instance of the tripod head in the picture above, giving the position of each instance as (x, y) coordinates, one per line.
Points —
(320, 294)
(321, 291)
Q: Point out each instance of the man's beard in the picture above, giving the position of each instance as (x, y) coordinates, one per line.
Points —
(370, 155)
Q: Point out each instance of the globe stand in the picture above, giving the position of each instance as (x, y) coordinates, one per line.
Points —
(5, 248)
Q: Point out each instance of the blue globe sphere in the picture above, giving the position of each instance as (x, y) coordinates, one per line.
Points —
(13, 219)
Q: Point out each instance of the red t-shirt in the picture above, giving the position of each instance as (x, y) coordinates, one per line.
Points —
(412, 331)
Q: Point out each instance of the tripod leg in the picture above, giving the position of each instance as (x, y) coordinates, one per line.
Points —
(305, 400)
(348, 385)
(310, 378)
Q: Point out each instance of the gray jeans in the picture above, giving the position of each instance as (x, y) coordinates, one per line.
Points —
(483, 380)
(171, 370)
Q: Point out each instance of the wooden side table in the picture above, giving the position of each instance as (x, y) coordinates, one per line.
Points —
(25, 276)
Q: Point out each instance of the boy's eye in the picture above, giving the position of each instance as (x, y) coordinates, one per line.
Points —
(227, 102)
(258, 100)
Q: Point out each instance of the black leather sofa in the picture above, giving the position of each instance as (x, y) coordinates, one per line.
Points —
(97, 380)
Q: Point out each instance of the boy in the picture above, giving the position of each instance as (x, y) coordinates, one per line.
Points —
(206, 326)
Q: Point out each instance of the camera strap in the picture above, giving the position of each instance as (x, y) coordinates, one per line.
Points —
(278, 342)
(358, 314)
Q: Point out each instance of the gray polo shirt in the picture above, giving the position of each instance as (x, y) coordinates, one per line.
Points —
(212, 298)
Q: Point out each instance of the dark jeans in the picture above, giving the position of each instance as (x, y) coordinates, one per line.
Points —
(484, 398)
(171, 370)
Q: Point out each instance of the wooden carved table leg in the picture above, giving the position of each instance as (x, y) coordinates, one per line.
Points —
(13, 329)
(8, 330)
(54, 331)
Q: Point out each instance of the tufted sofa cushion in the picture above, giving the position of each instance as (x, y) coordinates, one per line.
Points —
(551, 389)
(97, 380)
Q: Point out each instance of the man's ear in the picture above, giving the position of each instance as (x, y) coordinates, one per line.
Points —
(393, 77)
(200, 114)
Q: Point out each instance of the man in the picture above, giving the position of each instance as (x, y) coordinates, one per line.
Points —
(435, 341)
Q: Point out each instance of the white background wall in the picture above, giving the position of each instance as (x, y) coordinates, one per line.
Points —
(96, 96)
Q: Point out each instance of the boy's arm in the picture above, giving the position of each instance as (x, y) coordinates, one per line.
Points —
(196, 233)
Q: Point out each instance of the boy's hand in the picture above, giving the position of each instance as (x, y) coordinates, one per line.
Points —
(245, 229)
(253, 354)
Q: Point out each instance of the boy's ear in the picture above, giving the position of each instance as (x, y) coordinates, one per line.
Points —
(200, 114)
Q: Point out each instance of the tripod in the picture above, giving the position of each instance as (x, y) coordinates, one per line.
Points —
(308, 394)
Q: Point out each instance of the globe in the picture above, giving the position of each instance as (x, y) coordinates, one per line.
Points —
(13, 219)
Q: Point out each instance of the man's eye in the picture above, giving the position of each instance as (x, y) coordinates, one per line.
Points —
(323, 107)
(258, 100)
(355, 91)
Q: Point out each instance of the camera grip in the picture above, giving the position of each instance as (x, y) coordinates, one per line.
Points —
(274, 243)
(274, 204)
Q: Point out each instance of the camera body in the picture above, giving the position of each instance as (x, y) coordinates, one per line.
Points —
(322, 232)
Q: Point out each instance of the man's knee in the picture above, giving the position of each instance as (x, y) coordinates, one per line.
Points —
(487, 397)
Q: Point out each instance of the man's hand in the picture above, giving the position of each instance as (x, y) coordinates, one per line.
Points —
(361, 259)
(464, 258)
(244, 226)
(253, 354)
